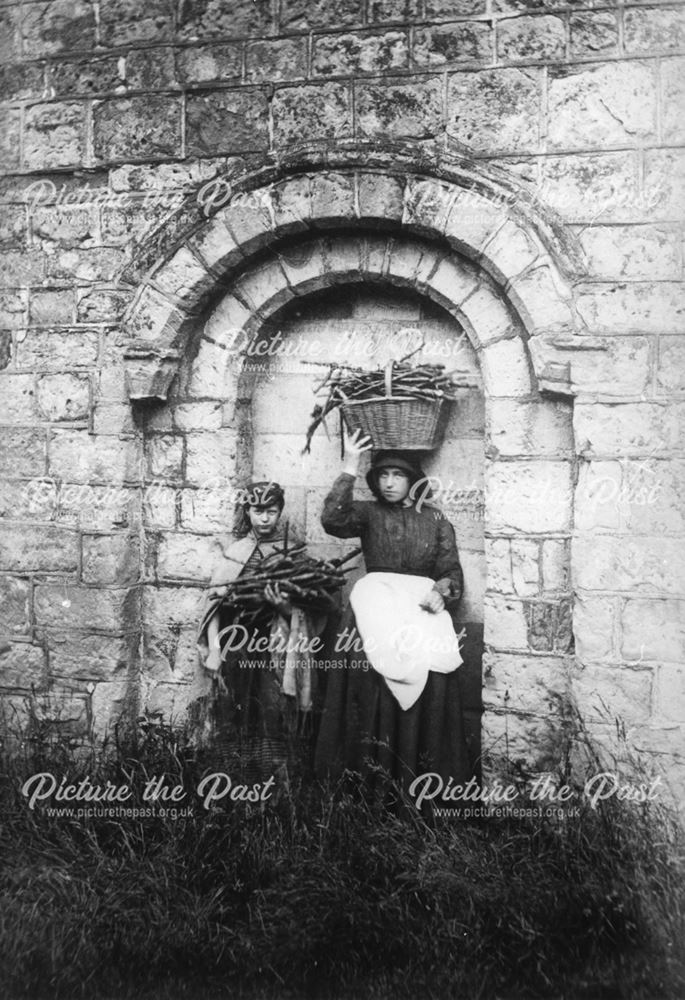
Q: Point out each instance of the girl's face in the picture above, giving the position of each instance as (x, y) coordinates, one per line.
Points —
(393, 484)
(264, 519)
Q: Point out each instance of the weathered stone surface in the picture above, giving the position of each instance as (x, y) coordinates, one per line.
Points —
(593, 187)
(629, 428)
(673, 91)
(555, 567)
(17, 404)
(654, 30)
(21, 82)
(344, 55)
(13, 303)
(164, 455)
(137, 128)
(628, 564)
(528, 496)
(125, 21)
(183, 556)
(13, 227)
(79, 655)
(22, 451)
(47, 308)
(85, 76)
(671, 364)
(101, 305)
(614, 103)
(151, 69)
(448, 9)
(535, 684)
(452, 45)
(159, 506)
(635, 252)
(78, 457)
(54, 135)
(594, 617)
(66, 606)
(653, 630)
(612, 695)
(506, 626)
(209, 508)
(665, 183)
(505, 368)
(201, 19)
(542, 429)
(210, 456)
(550, 626)
(399, 109)
(495, 110)
(209, 63)
(285, 59)
(637, 307)
(171, 655)
(222, 121)
(42, 548)
(66, 226)
(531, 39)
(670, 701)
(110, 559)
(525, 567)
(22, 665)
(535, 740)
(63, 396)
(15, 596)
(620, 368)
(300, 15)
(172, 605)
(49, 28)
(593, 33)
(309, 112)
(10, 139)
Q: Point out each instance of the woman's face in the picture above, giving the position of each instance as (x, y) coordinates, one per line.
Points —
(393, 484)
(264, 519)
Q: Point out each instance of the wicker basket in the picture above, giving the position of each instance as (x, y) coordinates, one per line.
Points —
(410, 424)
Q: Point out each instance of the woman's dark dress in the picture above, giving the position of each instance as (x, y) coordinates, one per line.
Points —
(362, 723)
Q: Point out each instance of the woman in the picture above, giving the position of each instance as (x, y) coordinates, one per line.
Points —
(262, 666)
(404, 713)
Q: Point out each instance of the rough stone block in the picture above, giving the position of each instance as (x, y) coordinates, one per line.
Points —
(535, 741)
(15, 596)
(398, 109)
(630, 252)
(387, 11)
(649, 307)
(54, 135)
(22, 451)
(505, 368)
(531, 39)
(301, 15)
(63, 396)
(183, 278)
(210, 457)
(182, 556)
(594, 618)
(65, 226)
(453, 282)
(380, 197)
(267, 61)
(213, 18)
(332, 197)
(210, 63)
(610, 104)
(78, 457)
(13, 227)
(311, 112)
(164, 455)
(111, 702)
(525, 567)
(172, 605)
(446, 10)
(279, 457)
(25, 548)
(19, 83)
(593, 33)
(49, 307)
(653, 630)
(14, 305)
(542, 429)
(22, 665)
(628, 428)
(528, 496)
(171, 655)
(654, 29)
(621, 368)
(151, 69)
(10, 139)
(495, 111)
(673, 90)
(70, 607)
(50, 28)
(226, 121)
(506, 626)
(17, 405)
(102, 305)
(110, 559)
(159, 506)
(50, 350)
(532, 684)
(665, 184)
(555, 567)
(608, 695)
(671, 365)
(137, 128)
(600, 498)
(670, 698)
(209, 508)
(71, 77)
(352, 54)
(589, 187)
(449, 46)
(471, 606)
(632, 565)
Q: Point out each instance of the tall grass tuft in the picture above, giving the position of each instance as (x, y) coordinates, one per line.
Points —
(323, 892)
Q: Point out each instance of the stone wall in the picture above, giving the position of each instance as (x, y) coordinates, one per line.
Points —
(116, 116)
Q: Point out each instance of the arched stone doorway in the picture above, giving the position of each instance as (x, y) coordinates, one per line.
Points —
(495, 276)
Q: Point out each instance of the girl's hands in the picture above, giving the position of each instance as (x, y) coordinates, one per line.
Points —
(273, 594)
(355, 445)
(433, 602)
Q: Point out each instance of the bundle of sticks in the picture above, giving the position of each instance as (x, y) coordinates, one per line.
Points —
(302, 580)
(345, 384)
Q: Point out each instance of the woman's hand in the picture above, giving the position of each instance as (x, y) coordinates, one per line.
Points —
(213, 662)
(433, 602)
(273, 594)
(355, 445)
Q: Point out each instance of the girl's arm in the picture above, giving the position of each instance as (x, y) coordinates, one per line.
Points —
(343, 516)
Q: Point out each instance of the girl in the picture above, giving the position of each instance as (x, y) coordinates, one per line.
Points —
(397, 701)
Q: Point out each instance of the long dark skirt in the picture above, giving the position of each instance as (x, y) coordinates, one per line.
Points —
(364, 729)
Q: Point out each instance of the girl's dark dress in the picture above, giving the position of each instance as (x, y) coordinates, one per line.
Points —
(362, 723)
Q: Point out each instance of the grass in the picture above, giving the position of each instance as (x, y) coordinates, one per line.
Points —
(323, 893)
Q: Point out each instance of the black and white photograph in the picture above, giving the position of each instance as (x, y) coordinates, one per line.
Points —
(342, 517)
